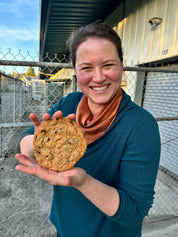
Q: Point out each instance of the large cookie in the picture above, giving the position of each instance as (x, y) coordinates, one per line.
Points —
(58, 144)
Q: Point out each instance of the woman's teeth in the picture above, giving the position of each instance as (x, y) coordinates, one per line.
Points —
(99, 88)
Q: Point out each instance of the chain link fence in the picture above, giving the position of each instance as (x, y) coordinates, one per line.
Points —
(25, 200)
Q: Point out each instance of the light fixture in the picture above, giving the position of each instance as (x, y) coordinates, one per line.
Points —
(155, 21)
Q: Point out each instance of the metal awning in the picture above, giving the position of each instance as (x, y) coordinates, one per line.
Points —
(60, 18)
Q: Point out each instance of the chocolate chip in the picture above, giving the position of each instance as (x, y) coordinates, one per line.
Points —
(48, 139)
(72, 122)
(43, 130)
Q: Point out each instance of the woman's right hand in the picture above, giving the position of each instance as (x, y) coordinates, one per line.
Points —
(26, 144)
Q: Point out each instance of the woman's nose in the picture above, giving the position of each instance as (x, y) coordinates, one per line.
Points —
(98, 75)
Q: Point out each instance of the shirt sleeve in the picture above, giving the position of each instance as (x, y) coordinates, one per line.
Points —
(137, 173)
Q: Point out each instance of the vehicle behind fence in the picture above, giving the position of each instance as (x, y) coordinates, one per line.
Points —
(25, 200)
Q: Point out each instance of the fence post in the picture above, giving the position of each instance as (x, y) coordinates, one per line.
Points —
(46, 95)
(139, 87)
(20, 108)
(0, 118)
(14, 96)
(74, 83)
(144, 89)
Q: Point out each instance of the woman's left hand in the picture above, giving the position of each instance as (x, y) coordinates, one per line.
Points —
(73, 177)
(105, 197)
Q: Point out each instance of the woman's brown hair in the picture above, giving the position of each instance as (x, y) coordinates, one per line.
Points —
(93, 30)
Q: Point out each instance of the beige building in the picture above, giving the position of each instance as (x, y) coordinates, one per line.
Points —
(148, 29)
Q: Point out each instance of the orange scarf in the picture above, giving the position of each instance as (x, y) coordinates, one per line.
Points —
(94, 126)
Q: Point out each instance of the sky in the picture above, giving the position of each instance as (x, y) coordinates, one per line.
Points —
(19, 25)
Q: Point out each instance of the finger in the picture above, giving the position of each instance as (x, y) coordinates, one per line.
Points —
(71, 116)
(50, 176)
(26, 160)
(33, 170)
(26, 169)
(58, 114)
(46, 117)
(36, 121)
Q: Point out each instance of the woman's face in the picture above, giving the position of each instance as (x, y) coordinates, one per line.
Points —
(99, 71)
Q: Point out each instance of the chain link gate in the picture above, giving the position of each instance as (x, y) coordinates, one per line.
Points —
(25, 200)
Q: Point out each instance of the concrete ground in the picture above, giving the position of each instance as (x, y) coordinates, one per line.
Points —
(25, 205)
(163, 217)
(162, 229)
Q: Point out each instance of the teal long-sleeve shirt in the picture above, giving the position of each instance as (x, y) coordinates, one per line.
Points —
(126, 157)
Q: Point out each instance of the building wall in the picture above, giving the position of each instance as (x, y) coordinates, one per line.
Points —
(143, 43)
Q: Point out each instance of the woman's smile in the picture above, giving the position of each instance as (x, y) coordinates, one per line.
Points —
(99, 88)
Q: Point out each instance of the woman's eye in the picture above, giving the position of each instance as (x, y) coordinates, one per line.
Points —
(86, 68)
(108, 65)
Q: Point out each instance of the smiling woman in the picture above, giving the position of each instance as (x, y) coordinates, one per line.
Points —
(110, 190)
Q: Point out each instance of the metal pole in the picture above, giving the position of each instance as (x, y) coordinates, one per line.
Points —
(0, 119)
(21, 106)
(14, 96)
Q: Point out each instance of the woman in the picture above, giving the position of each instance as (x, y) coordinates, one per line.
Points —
(110, 190)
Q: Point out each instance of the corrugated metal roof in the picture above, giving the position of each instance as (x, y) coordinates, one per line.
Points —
(60, 18)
